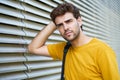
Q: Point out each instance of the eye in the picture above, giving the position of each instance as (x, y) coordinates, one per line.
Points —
(68, 21)
(59, 25)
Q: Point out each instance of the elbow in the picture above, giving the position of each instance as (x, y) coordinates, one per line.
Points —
(30, 49)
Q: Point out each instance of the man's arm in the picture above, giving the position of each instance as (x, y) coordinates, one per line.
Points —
(37, 46)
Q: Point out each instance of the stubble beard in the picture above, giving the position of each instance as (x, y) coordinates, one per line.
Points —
(73, 36)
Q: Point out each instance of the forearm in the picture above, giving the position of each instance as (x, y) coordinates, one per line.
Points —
(41, 37)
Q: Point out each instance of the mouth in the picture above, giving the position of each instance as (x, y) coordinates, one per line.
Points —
(67, 33)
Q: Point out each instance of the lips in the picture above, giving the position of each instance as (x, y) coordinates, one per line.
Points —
(67, 33)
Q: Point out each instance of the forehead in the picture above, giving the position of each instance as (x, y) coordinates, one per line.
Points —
(64, 17)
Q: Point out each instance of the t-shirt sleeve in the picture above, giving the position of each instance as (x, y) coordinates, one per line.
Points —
(108, 65)
(56, 50)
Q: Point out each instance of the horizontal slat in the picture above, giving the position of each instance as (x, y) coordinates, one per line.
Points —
(35, 73)
(10, 20)
(36, 11)
(13, 57)
(44, 72)
(12, 3)
(85, 8)
(28, 40)
(10, 29)
(13, 76)
(50, 77)
(35, 18)
(58, 1)
(10, 11)
(7, 48)
(93, 29)
(43, 65)
(90, 7)
(95, 35)
(12, 67)
(35, 26)
(11, 39)
(49, 2)
(38, 5)
(31, 57)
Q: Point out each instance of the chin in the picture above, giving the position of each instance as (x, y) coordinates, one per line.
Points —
(68, 39)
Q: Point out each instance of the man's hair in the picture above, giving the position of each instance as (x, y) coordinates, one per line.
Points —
(62, 9)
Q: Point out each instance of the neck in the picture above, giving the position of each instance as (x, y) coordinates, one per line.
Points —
(81, 40)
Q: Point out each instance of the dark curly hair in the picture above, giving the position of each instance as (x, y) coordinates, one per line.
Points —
(62, 9)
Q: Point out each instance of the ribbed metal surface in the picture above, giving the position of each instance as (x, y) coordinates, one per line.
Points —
(21, 20)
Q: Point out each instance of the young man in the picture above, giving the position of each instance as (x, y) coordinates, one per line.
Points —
(87, 58)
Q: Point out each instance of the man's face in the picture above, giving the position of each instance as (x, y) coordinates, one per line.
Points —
(68, 26)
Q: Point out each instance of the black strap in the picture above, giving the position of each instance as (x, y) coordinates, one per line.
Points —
(63, 61)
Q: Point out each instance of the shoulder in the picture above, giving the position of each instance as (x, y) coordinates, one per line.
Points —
(100, 47)
(103, 48)
(102, 44)
(56, 50)
(56, 47)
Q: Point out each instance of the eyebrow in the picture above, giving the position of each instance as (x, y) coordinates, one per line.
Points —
(64, 21)
(58, 24)
(68, 20)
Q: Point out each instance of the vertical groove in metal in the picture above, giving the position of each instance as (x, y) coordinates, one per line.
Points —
(24, 54)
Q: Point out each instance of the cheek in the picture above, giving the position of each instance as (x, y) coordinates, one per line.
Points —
(61, 31)
(76, 27)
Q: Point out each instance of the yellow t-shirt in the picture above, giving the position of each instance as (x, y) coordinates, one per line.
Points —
(92, 61)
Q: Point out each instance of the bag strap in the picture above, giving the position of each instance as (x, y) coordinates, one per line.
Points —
(63, 61)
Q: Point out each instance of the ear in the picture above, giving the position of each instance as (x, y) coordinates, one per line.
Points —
(79, 21)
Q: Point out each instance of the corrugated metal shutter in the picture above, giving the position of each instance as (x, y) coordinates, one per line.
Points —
(21, 20)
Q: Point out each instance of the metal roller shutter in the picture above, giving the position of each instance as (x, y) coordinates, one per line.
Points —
(21, 20)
